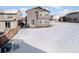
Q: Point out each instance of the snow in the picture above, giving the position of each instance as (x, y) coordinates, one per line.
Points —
(61, 37)
(10, 11)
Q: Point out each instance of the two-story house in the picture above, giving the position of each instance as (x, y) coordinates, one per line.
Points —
(9, 19)
(38, 17)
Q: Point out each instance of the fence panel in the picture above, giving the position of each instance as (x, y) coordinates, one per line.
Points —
(7, 36)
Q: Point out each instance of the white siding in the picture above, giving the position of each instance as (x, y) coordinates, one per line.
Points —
(11, 17)
(14, 24)
(2, 26)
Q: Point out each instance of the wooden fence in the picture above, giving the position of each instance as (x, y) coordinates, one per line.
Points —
(8, 36)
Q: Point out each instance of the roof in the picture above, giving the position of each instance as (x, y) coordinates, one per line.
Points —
(9, 11)
(76, 12)
(43, 9)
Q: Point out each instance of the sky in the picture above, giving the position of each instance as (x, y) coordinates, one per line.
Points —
(54, 10)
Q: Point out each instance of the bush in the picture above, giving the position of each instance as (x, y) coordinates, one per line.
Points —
(6, 48)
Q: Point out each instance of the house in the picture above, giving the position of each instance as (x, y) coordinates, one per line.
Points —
(9, 19)
(51, 18)
(38, 17)
(61, 19)
(22, 22)
(70, 17)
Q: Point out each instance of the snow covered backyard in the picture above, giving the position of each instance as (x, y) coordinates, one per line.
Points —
(61, 37)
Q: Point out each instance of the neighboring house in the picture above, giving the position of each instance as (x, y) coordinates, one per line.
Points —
(9, 19)
(51, 18)
(70, 17)
(38, 17)
(56, 18)
(22, 22)
(61, 19)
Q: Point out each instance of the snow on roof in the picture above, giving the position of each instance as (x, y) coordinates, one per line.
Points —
(8, 11)
(70, 13)
(77, 12)
(44, 9)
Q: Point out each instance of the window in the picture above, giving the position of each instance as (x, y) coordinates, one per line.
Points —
(33, 22)
(46, 22)
(7, 24)
(75, 19)
(40, 14)
(40, 21)
(47, 14)
(10, 17)
(44, 14)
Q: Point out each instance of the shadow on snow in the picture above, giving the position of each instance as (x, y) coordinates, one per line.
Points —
(24, 47)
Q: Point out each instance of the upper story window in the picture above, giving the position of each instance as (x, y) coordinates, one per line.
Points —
(40, 14)
(44, 14)
(10, 17)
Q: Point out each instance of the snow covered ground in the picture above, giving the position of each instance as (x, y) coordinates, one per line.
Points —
(61, 37)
